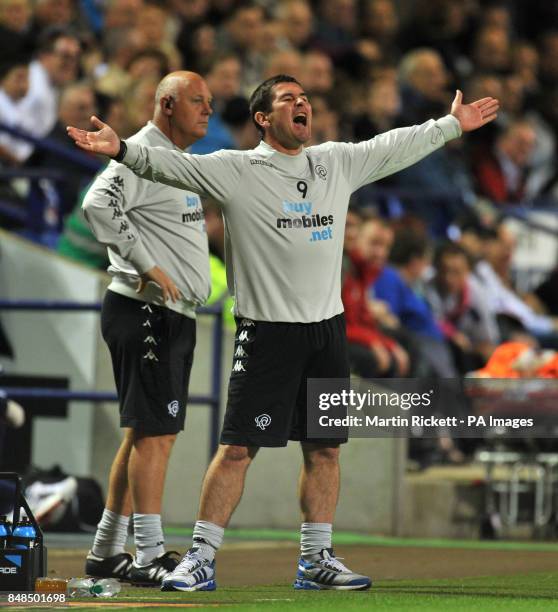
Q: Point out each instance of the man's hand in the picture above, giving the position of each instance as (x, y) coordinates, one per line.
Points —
(157, 276)
(474, 115)
(105, 141)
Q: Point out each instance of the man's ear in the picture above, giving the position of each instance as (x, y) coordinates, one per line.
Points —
(261, 119)
(167, 105)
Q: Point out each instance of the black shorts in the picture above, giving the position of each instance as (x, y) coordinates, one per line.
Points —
(267, 389)
(152, 349)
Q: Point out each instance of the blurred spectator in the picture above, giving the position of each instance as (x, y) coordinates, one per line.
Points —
(382, 107)
(240, 34)
(525, 62)
(14, 84)
(236, 116)
(77, 104)
(297, 23)
(336, 27)
(445, 26)
(325, 122)
(460, 309)
(152, 33)
(57, 65)
(53, 14)
(223, 80)
(112, 77)
(372, 353)
(424, 81)
(381, 23)
(502, 171)
(401, 287)
(319, 77)
(492, 50)
(497, 15)
(285, 62)
(150, 63)
(119, 20)
(15, 25)
(140, 100)
(493, 274)
(112, 110)
(121, 14)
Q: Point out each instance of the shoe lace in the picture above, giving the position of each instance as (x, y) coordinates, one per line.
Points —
(190, 561)
(332, 562)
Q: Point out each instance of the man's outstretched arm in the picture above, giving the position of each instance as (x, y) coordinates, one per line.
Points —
(387, 153)
(215, 175)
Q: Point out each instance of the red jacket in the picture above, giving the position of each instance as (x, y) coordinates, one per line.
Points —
(491, 180)
(358, 275)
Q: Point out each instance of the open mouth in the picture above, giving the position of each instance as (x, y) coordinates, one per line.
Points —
(300, 118)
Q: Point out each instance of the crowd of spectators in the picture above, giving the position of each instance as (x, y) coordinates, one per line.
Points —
(416, 302)
(368, 65)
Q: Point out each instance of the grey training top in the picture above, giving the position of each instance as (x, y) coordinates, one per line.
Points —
(145, 224)
(285, 214)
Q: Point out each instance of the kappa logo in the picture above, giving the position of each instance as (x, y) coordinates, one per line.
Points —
(243, 336)
(173, 408)
(263, 421)
(150, 340)
(150, 355)
(147, 307)
(247, 323)
(240, 352)
(238, 367)
(261, 162)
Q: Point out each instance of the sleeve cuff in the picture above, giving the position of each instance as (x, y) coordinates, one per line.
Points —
(450, 126)
(130, 154)
(121, 152)
(140, 258)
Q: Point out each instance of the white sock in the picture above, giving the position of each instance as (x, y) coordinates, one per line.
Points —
(314, 537)
(207, 538)
(111, 534)
(148, 534)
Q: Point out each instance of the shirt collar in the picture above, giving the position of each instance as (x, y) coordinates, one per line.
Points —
(296, 163)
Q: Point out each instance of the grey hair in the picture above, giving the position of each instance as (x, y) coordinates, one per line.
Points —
(410, 60)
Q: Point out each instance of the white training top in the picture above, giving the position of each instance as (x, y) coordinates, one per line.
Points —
(285, 214)
(145, 224)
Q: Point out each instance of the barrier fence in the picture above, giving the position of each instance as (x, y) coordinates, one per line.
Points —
(212, 399)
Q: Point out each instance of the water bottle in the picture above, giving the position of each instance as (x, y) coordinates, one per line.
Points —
(24, 534)
(5, 531)
(90, 587)
(80, 587)
(106, 587)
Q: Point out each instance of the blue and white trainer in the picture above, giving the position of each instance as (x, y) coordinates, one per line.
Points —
(325, 571)
(193, 573)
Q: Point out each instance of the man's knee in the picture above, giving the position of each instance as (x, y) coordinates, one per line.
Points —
(160, 443)
(315, 456)
(238, 457)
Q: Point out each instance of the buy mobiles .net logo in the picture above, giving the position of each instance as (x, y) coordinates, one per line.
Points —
(301, 217)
